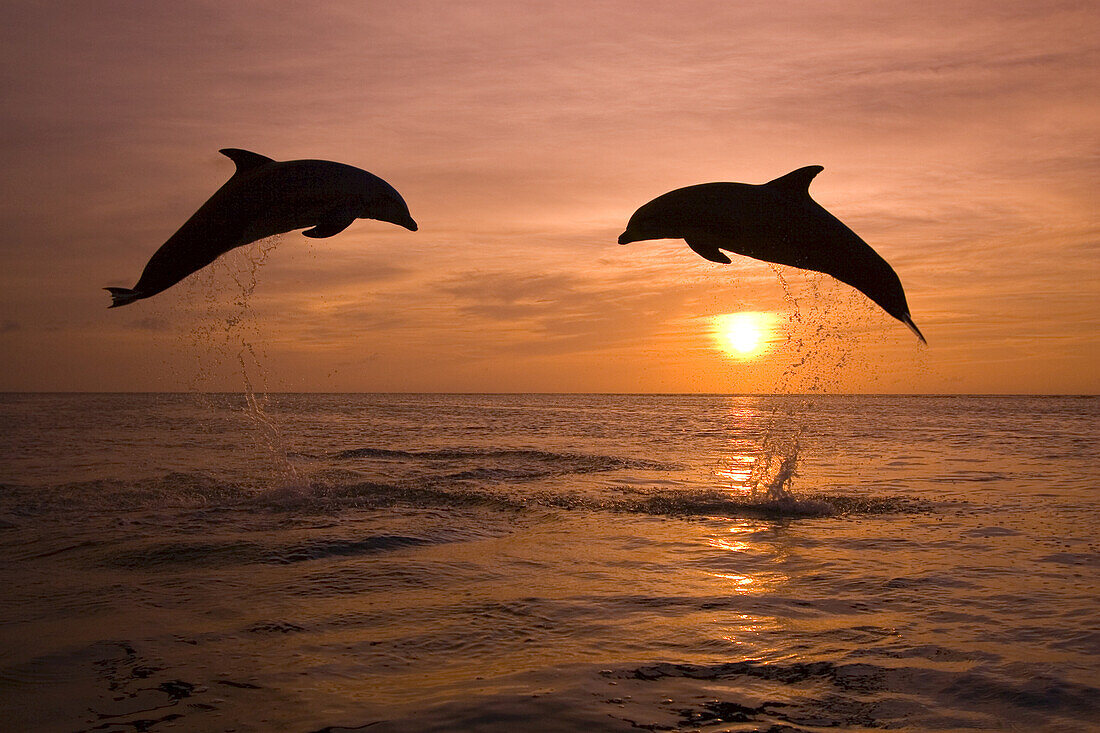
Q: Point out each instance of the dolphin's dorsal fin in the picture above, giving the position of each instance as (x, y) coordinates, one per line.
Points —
(796, 182)
(245, 160)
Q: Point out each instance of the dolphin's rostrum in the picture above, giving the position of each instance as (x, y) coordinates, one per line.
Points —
(263, 198)
(775, 222)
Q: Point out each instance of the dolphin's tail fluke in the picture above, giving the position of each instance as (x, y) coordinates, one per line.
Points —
(122, 296)
(904, 319)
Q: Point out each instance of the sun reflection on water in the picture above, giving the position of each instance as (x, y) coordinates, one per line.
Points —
(735, 474)
(736, 578)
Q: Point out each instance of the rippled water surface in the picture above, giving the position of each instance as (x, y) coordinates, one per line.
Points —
(548, 562)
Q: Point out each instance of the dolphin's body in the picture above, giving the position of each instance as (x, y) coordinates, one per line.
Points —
(263, 198)
(775, 222)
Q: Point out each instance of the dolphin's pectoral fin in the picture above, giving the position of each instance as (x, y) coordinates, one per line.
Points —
(707, 249)
(330, 226)
(244, 159)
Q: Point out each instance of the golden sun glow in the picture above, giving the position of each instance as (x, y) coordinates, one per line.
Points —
(743, 335)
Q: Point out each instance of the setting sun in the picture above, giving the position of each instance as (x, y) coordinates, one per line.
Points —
(743, 334)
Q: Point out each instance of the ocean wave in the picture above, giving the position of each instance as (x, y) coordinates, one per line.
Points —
(225, 553)
(762, 697)
(722, 504)
(174, 489)
(555, 462)
(679, 503)
(862, 694)
(486, 488)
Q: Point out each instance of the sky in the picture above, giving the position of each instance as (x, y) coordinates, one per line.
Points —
(959, 139)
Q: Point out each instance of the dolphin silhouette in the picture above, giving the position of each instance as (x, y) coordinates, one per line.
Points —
(776, 222)
(263, 198)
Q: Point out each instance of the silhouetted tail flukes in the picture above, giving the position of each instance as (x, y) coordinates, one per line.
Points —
(908, 321)
(122, 296)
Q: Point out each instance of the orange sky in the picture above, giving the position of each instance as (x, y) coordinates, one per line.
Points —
(959, 139)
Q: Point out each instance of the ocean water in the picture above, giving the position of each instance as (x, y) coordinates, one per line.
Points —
(548, 563)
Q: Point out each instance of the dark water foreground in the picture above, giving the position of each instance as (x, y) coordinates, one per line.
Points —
(501, 563)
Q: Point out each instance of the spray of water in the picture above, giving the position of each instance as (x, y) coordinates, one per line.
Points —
(819, 354)
(223, 345)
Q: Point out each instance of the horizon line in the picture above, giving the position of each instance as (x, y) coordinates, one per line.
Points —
(502, 394)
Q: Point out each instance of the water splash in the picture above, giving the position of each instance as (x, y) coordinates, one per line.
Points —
(223, 345)
(780, 483)
(820, 351)
(267, 431)
(819, 331)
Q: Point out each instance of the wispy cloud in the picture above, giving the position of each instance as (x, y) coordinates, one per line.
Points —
(958, 139)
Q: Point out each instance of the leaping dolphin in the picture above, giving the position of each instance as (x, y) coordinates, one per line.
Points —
(776, 222)
(263, 198)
